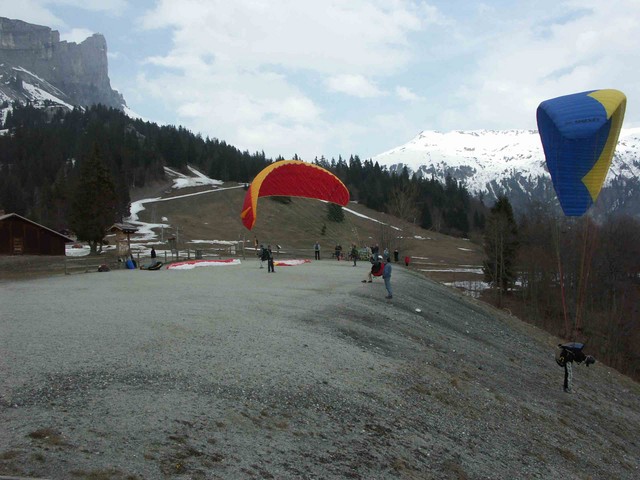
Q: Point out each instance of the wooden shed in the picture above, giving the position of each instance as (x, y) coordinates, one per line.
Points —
(21, 236)
(123, 233)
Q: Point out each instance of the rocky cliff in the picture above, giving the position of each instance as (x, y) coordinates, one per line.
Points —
(36, 65)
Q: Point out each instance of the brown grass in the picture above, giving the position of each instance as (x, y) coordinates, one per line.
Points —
(298, 225)
(48, 436)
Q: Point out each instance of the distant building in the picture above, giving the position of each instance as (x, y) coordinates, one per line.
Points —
(21, 236)
(123, 233)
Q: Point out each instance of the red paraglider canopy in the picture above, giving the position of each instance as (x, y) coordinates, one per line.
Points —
(292, 178)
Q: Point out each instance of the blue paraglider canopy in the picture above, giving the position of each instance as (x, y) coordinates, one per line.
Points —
(579, 133)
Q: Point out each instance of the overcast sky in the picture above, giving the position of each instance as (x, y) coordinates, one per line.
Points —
(350, 77)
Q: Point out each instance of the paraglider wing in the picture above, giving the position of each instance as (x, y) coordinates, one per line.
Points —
(292, 178)
(579, 133)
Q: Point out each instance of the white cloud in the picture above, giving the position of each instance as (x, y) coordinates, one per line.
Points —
(358, 36)
(407, 95)
(250, 71)
(355, 85)
(586, 48)
(32, 11)
(40, 12)
(112, 6)
(76, 35)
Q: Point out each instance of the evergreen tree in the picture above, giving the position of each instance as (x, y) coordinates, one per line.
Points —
(335, 212)
(426, 221)
(94, 202)
(500, 246)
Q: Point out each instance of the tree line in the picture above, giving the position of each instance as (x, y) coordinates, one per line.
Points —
(42, 154)
(577, 279)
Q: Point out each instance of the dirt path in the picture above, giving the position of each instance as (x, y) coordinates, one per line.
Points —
(231, 372)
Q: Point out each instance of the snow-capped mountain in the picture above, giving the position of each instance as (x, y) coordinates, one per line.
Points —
(512, 162)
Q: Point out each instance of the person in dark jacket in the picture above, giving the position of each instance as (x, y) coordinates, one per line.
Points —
(568, 353)
(262, 255)
(270, 264)
(153, 253)
(354, 253)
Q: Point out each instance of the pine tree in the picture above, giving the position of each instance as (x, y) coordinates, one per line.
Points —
(94, 202)
(500, 246)
(335, 212)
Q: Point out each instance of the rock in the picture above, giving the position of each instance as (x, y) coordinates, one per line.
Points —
(75, 73)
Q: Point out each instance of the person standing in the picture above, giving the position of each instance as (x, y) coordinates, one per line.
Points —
(396, 255)
(270, 264)
(316, 249)
(262, 255)
(153, 253)
(386, 276)
(354, 253)
(565, 356)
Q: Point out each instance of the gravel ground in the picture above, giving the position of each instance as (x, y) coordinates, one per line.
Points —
(231, 372)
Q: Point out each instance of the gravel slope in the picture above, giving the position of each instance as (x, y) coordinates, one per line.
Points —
(231, 372)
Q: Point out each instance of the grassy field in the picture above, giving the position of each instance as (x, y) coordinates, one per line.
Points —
(297, 225)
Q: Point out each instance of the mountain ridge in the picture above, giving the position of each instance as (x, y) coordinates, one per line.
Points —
(37, 67)
(511, 162)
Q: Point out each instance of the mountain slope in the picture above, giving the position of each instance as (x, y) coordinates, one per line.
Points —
(512, 162)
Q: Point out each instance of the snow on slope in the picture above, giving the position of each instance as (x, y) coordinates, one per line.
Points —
(481, 156)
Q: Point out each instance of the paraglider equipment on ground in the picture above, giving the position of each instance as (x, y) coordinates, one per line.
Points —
(579, 133)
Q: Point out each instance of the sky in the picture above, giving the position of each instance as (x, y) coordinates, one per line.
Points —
(350, 77)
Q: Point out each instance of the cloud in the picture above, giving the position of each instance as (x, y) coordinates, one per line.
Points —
(355, 85)
(76, 35)
(256, 73)
(115, 7)
(31, 11)
(407, 95)
(41, 12)
(358, 36)
(584, 46)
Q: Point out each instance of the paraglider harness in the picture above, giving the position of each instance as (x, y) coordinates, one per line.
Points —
(572, 352)
(377, 267)
(568, 353)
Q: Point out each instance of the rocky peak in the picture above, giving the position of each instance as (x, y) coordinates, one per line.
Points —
(78, 71)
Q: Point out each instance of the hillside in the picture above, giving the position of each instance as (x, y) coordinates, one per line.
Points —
(201, 215)
(306, 373)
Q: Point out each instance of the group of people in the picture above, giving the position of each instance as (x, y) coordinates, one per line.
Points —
(380, 268)
(354, 253)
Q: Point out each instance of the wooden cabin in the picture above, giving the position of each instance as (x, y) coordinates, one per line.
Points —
(21, 236)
